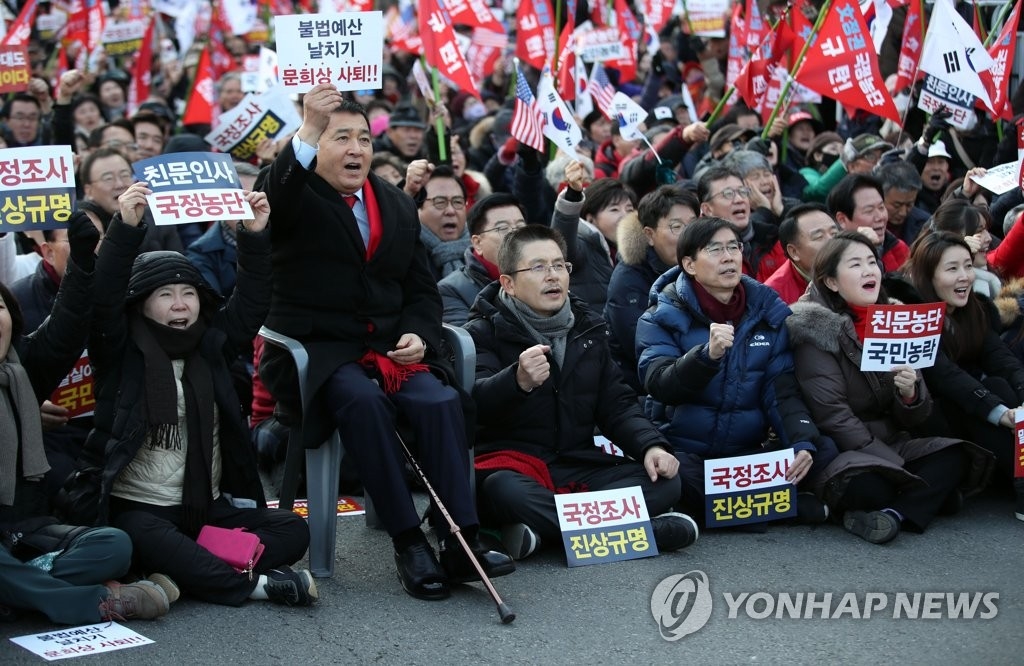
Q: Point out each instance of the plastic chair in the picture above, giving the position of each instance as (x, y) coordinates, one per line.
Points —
(323, 464)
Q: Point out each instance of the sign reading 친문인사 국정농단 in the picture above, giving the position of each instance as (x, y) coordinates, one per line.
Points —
(605, 526)
(748, 489)
(193, 187)
(902, 335)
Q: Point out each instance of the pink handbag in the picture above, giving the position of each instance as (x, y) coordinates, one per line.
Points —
(239, 548)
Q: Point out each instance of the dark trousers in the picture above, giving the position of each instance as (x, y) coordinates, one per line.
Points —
(994, 438)
(72, 591)
(510, 497)
(162, 547)
(367, 418)
(943, 471)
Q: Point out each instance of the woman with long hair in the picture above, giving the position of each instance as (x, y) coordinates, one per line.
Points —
(884, 480)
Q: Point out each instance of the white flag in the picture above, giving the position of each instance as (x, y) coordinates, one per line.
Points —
(559, 124)
(584, 102)
(629, 115)
(953, 53)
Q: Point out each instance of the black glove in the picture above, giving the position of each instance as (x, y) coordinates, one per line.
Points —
(83, 237)
(658, 64)
(936, 124)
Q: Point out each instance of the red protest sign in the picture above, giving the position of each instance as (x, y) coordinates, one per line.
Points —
(14, 68)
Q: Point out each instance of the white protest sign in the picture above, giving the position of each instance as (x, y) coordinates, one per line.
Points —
(748, 489)
(342, 49)
(77, 641)
(193, 187)
(600, 44)
(241, 130)
(999, 179)
(605, 526)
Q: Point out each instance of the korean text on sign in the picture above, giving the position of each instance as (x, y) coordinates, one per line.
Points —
(193, 187)
(748, 489)
(37, 188)
(605, 526)
(342, 49)
(902, 335)
(75, 392)
(14, 68)
(76, 641)
(256, 119)
(936, 94)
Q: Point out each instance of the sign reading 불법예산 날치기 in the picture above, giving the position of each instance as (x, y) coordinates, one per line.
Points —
(341, 49)
(37, 188)
(193, 187)
(257, 118)
(748, 489)
(605, 526)
(902, 335)
(68, 642)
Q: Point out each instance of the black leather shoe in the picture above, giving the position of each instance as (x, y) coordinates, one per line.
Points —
(456, 563)
(420, 573)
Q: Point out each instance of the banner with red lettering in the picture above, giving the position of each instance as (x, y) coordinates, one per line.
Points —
(1002, 52)
(910, 51)
(20, 29)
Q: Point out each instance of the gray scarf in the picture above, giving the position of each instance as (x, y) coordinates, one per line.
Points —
(445, 256)
(21, 429)
(552, 331)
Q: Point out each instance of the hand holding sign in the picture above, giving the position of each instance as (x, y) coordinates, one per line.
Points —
(317, 106)
(905, 379)
(801, 465)
(133, 204)
(720, 340)
(261, 208)
(1009, 419)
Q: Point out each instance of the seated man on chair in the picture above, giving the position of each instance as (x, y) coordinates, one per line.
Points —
(544, 379)
(352, 282)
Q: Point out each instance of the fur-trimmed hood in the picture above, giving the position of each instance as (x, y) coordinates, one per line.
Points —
(631, 241)
(812, 322)
(1009, 302)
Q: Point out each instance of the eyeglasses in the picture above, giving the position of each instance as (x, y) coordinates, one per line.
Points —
(715, 250)
(117, 143)
(502, 229)
(441, 203)
(731, 193)
(119, 177)
(25, 117)
(541, 270)
(676, 228)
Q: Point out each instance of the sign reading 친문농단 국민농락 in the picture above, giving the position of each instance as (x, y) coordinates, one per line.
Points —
(902, 335)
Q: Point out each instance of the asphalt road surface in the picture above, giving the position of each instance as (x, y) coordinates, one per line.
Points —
(602, 614)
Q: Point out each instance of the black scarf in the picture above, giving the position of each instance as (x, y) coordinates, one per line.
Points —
(159, 344)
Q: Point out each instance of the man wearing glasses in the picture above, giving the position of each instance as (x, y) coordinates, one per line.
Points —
(489, 221)
(352, 281)
(442, 212)
(545, 379)
(722, 193)
(22, 120)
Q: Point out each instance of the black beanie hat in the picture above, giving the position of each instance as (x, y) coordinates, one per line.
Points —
(156, 269)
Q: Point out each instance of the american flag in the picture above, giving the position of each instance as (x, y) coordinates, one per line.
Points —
(527, 119)
(602, 90)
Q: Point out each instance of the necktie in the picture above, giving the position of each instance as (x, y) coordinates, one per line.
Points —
(350, 199)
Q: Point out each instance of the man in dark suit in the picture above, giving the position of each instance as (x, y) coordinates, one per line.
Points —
(353, 282)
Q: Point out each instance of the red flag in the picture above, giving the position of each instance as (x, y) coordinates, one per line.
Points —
(910, 51)
(658, 12)
(753, 80)
(567, 62)
(485, 48)
(440, 48)
(535, 32)
(62, 66)
(21, 27)
(737, 46)
(138, 89)
(472, 12)
(629, 31)
(997, 78)
(841, 63)
(199, 110)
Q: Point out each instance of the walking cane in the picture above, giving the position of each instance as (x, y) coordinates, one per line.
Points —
(504, 611)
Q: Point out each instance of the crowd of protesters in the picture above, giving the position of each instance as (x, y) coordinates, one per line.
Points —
(699, 294)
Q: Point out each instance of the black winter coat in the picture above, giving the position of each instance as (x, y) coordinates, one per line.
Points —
(554, 422)
(119, 370)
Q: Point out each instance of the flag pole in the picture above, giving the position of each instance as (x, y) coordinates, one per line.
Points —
(442, 149)
(913, 77)
(994, 32)
(791, 75)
